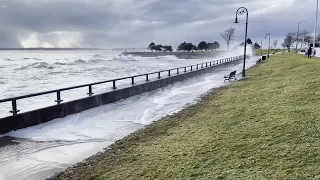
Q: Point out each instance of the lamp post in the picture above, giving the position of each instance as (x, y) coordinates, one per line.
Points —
(268, 34)
(303, 40)
(261, 48)
(241, 11)
(315, 27)
(298, 34)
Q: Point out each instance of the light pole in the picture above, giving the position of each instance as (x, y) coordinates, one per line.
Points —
(268, 34)
(241, 11)
(261, 48)
(298, 34)
(303, 40)
(315, 28)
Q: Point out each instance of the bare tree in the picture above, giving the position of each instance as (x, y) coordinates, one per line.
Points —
(305, 38)
(275, 43)
(308, 39)
(289, 40)
(228, 35)
(318, 38)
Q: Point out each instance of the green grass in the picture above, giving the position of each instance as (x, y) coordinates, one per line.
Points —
(265, 51)
(264, 127)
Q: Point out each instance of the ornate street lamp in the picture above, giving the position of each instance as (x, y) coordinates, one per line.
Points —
(241, 11)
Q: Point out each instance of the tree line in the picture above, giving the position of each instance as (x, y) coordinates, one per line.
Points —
(185, 46)
(166, 48)
(304, 38)
(228, 35)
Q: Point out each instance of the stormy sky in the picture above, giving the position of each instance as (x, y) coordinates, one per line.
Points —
(136, 23)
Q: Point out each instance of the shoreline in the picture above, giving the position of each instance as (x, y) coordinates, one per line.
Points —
(152, 131)
(260, 127)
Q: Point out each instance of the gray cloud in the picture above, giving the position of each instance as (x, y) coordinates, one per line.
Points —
(135, 23)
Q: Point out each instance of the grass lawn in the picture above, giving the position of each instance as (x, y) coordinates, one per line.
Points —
(264, 127)
(265, 51)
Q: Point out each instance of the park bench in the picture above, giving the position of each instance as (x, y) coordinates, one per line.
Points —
(232, 75)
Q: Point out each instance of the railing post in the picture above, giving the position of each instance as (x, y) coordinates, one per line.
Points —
(169, 72)
(185, 69)
(206, 64)
(114, 87)
(59, 100)
(90, 90)
(191, 67)
(147, 77)
(177, 70)
(132, 80)
(14, 107)
(197, 66)
(159, 75)
(210, 64)
(201, 65)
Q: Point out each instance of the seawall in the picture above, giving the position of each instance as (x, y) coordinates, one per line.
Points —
(46, 114)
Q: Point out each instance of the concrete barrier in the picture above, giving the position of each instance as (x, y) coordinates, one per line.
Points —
(46, 114)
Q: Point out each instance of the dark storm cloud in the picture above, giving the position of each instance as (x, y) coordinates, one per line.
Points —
(135, 23)
(45, 16)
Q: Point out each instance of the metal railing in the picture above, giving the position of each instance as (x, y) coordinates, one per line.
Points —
(184, 69)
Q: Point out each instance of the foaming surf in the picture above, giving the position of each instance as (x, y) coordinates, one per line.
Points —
(38, 65)
(142, 109)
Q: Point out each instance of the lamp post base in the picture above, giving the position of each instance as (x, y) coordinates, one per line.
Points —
(243, 73)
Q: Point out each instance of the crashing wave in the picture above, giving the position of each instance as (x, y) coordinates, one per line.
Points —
(39, 65)
(95, 60)
(60, 63)
(80, 61)
(125, 58)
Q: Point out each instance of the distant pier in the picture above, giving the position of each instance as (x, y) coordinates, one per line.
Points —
(178, 54)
